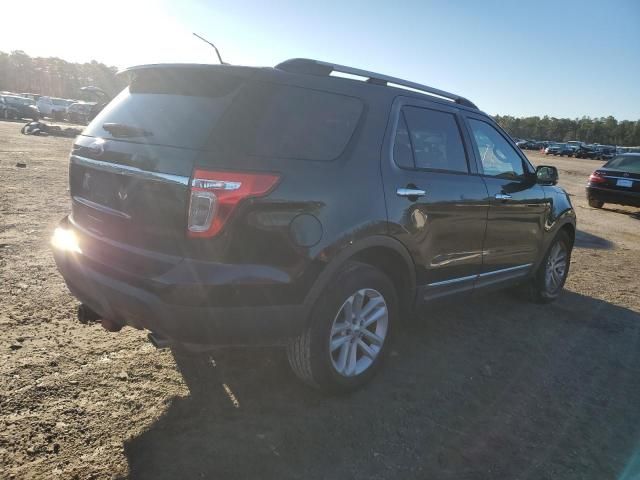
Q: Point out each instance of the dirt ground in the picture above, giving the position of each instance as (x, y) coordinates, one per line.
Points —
(493, 388)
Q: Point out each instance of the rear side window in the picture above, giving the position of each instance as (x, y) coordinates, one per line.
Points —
(306, 124)
(434, 140)
(175, 107)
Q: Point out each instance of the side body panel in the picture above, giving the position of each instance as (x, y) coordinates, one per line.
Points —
(444, 229)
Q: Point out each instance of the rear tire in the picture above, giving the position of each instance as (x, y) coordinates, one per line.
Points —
(549, 279)
(593, 203)
(348, 333)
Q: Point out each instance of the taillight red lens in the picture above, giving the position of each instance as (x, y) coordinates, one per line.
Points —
(215, 195)
(597, 177)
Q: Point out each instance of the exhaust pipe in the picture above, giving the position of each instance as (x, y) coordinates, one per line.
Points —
(86, 315)
(158, 340)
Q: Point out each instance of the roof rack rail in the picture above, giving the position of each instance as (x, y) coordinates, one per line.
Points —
(317, 67)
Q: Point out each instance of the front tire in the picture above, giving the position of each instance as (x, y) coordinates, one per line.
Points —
(348, 334)
(549, 279)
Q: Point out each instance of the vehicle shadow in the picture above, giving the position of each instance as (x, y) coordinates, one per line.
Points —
(488, 388)
(589, 240)
(630, 213)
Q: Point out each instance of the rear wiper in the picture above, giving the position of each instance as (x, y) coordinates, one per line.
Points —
(127, 131)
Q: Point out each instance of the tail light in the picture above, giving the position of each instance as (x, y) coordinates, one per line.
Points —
(215, 195)
(596, 177)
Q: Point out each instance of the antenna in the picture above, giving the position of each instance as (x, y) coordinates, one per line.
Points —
(214, 47)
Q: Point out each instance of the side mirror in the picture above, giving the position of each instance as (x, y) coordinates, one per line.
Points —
(547, 174)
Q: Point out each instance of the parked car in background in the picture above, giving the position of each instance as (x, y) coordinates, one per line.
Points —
(617, 181)
(554, 149)
(32, 96)
(605, 152)
(53, 107)
(529, 145)
(220, 205)
(16, 107)
(568, 149)
(79, 112)
(586, 151)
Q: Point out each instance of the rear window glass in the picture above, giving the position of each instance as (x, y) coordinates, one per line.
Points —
(176, 107)
(306, 124)
(274, 120)
(629, 164)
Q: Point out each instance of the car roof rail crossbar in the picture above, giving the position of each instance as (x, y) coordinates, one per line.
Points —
(317, 67)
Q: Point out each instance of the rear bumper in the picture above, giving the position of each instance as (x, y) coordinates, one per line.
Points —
(143, 304)
(617, 197)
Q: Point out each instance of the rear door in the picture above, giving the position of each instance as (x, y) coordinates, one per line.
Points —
(436, 204)
(517, 213)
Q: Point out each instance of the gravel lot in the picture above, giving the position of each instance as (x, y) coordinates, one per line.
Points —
(492, 388)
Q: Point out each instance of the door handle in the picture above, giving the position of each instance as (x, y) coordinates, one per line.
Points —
(503, 196)
(410, 192)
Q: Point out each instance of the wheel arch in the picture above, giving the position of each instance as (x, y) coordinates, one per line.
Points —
(570, 229)
(382, 252)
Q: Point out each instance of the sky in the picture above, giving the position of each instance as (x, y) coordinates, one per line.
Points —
(561, 58)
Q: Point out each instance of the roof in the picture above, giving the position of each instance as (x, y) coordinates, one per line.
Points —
(308, 66)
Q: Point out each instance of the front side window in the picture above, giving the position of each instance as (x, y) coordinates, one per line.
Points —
(498, 158)
(434, 139)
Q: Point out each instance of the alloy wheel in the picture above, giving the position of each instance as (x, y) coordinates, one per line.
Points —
(358, 332)
(556, 267)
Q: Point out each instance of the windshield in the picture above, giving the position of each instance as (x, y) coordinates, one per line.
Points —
(19, 101)
(630, 163)
(59, 102)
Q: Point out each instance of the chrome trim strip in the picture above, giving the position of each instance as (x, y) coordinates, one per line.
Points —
(474, 277)
(505, 270)
(129, 170)
(100, 207)
(453, 280)
(622, 178)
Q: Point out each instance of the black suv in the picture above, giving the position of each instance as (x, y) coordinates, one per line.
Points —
(225, 205)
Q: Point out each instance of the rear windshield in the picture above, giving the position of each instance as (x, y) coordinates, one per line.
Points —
(204, 109)
(629, 164)
(177, 107)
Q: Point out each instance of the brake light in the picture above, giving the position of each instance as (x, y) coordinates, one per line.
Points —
(215, 195)
(596, 177)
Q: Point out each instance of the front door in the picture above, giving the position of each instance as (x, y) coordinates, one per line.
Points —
(516, 215)
(436, 205)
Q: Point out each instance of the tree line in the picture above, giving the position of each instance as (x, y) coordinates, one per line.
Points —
(605, 130)
(53, 76)
(58, 78)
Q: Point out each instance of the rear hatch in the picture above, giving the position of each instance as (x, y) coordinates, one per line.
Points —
(230, 132)
(622, 173)
(130, 169)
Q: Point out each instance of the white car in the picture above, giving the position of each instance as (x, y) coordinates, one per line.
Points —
(53, 107)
